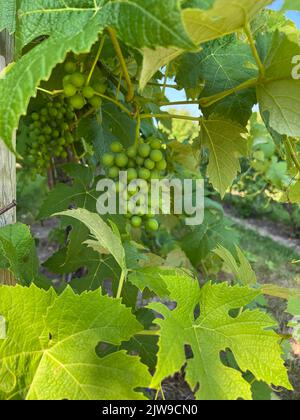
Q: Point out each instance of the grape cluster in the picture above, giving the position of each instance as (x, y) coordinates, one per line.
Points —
(50, 134)
(146, 162)
(79, 91)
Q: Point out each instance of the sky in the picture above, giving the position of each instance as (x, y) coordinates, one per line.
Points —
(175, 95)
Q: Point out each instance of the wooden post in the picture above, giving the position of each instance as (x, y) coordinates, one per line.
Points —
(7, 163)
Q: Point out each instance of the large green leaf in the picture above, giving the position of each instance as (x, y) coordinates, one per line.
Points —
(21, 82)
(49, 353)
(101, 232)
(279, 93)
(224, 17)
(18, 253)
(291, 5)
(138, 23)
(221, 65)
(8, 15)
(249, 336)
(226, 144)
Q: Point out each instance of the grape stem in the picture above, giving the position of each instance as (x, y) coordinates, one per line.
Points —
(114, 101)
(252, 43)
(49, 92)
(96, 60)
(121, 283)
(138, 128)
(115, 42)
(170, 116)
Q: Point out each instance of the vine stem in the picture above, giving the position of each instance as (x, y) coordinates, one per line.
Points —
(114, 101)
(252, 43)
(167, 116)
(50, 92)
(121, 283)
(210, 100)
(292, 153)
(138, 128)
(96, 60)
(115, 42)
(179, 103)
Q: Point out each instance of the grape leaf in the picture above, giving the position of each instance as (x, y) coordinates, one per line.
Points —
(226, 144)
(50, 351)
(81, 193)
(21, 82)
(225, 17)
(8, 15)
(254, 345)
(153, 279)
(279, 93)
(139, 24)
(18, 253)
(101, 232)
(221, 65)
(242, 270)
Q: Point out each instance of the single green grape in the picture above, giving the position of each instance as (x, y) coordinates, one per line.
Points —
(152, 225)
(131, 152)
(155, 175)
(70, 67)
(149, 164)
(70, 90)
(156, 156)
(64, 155)
(77, 102)
(53, 112)
(144, 150)
(116, 147)
(88, 92)
(35, 116)
(113, 172)
(155, 144)
(121, 160)
(77, 79)
(161, 165)
(136, 221)
(108, 160)
(44, 111)
(96, 102)
(132, 174)
(47, 130)
(42, 139)
(144, 173)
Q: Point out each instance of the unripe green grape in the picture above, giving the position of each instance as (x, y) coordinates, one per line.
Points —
(42, 139)
(64, 155)
(70, 116)
(88, 92)
(37, 124)
(44, 111)
(35, 116)
(60, 115)
(62, 141)
(47, 130)
(70, 67)
(121, 160)
(53, 112)
(149, 164)
(131, 152)
(116, 147)
(136, 221)
(108, 160)
(144, 173)
(43, 119)
(58, 105)
(77, 102)
(144, 150)
(152, 225)
(161, 165)
(77, 79)
(100, 87)
(140, 161)
(131, 163)
(70, 90)
(96, 102)
(132, 174)
(65, 127)
(156, 156)
(155, 144)
(113, 172)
